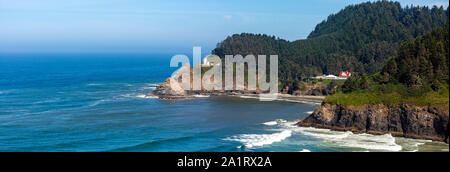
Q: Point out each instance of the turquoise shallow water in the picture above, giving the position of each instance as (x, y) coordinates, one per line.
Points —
(95, 102)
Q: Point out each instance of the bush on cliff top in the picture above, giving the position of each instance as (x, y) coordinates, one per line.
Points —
(418, 75)
(392, 94)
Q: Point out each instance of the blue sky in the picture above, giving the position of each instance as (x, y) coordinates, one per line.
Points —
(156, 26)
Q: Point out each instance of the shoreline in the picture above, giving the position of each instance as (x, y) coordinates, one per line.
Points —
(405, 120)
(164, 92)
(305, 97)
(315, 99)
(375, 133)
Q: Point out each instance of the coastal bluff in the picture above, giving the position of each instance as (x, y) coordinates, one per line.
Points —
(402, 120)
(165, 91)
(168, 90)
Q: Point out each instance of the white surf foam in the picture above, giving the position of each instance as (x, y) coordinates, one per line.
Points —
(270, 123)
(305, 150)
(257, 140)
(372, 142)
(357, 142)
(141, 96)
(201, 96)
(48, 101)
(281, 120)
(292, 101)
(411, 145)
(94, 84)
(146, 96)
(349, 140)
(148, 88)
(124, 97)
(249, 97)
(276, 122)
(96, 103)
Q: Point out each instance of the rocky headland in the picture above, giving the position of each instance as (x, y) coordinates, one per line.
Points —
(403, 120)
(169, 90)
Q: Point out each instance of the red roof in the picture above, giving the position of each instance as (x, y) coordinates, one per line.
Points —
(345, 74)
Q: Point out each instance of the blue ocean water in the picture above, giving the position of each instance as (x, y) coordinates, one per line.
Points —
(96, 102)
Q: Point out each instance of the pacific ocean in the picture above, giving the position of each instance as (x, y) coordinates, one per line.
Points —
(96, 102)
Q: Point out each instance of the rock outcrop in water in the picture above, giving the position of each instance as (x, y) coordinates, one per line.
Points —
(169, 90)
(400, 120)
(165, 91)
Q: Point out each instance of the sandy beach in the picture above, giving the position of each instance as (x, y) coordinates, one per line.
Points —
(315, 98)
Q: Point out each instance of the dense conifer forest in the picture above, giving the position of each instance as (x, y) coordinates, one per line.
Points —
(360, 39)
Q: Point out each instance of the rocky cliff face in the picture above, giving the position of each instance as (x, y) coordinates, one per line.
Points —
(400, 120)
(172, 87)
(165, 91)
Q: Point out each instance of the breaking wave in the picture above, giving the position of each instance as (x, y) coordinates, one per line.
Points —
(148, 88)
(354, 142)
(305, 150)
(276, 122)
(146, 96)
(348, 139)
(270, 123)
(257, 140)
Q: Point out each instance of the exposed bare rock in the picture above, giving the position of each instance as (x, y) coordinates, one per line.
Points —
(174, 90)
(401, 120)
